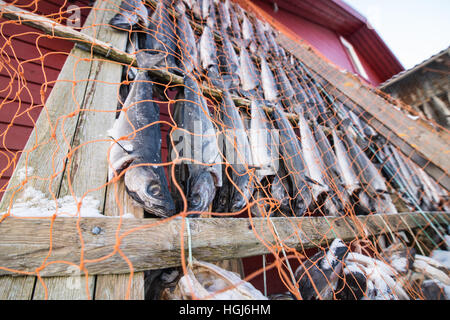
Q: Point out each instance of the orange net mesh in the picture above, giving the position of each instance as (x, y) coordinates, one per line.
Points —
(193, 109)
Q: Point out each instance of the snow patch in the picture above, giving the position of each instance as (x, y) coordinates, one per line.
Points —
(33, 203)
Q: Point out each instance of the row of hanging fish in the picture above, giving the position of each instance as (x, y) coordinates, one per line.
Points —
(227, 158)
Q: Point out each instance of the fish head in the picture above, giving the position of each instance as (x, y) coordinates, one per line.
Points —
(300, 206)
(222, 199)
(241, 197)
(147, 185)
(201, 191)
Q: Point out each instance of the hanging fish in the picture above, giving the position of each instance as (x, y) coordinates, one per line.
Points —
(205, 8)
(273, 46)
(209, 59)
(161, 37)
(187, 42)
(129, 73)
(132, 14)
(225, 19)
(263, 141)
(370, 177)
(337, 194)
(360, 199)
(249, 80)
(268, 82)
(238, 152)
(235, 26)
(145, 181)
(262, 39)
(313, 162)
(293, 160)
(285, 88)
(231, 64)
(197, 136)
(248, 35)
(281, 188)
(344, 164)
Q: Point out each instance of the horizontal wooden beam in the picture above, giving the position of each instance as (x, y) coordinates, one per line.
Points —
(425, 145)
(28, 245)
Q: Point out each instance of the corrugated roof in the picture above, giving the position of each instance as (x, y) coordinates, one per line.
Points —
(419, 66)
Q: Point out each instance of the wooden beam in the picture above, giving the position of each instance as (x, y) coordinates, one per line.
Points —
(415, 138)
(152, 243)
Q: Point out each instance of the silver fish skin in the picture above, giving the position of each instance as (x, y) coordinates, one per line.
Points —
(222, 200)
(192, 116)
(405, 175)
(338, 196)
(235, 26)
(239, 11)
(249, 80)
(350, 180)
(224, 16)
(161, 37)
(240, 157)
(280, 189)
(268, 82)
(262, 39)
(263, 142)
(208, 49)
(187, 42)
(300, 94)
(247, 31)
(313, 161)
(232, 62)
(294, 162)
(206, 7)
(285, 88)
(146, 184)
(132, 13)
(273, 46)
(367, 171)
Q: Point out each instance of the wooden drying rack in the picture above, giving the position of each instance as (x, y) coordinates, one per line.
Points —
(25, 243)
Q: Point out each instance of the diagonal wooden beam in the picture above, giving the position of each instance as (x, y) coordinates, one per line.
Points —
(153, 243)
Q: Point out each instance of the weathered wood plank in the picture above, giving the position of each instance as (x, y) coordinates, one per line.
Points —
(87, 168)
(115, 287)
(65, 288)
(415, 138)
(45, 151)
(16, 288)
(152, 243)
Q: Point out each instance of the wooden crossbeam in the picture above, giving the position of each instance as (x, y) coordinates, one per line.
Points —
(152, 244)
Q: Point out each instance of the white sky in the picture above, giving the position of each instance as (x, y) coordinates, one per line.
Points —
(413, 29)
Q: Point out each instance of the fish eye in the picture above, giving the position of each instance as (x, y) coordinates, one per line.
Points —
(195, 200)
(154, 189)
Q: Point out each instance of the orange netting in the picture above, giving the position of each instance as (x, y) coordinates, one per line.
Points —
(211, 117)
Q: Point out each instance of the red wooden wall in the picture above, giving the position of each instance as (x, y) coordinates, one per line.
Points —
(325, 40)
(25, 80)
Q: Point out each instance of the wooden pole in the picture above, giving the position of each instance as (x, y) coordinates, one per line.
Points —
(153, 243)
